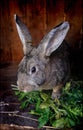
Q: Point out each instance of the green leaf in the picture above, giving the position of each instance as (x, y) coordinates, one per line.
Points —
(44, 105)
(44, 96)
(17, 93)
(38, 104)
(60, 123)
(22, 96)
(71, 122)
(44, 117)
(34, 112)
(67, 86)
(24, 104)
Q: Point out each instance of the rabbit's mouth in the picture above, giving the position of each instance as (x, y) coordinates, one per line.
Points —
(27, 87)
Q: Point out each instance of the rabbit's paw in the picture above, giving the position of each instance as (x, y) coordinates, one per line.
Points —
(57, 91)
(56, 95)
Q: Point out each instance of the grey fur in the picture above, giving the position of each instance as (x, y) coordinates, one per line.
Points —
(46, 66)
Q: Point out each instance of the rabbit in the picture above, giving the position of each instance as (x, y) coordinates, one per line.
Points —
(45, 66)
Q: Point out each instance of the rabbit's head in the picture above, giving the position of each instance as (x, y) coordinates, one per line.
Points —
(44, 66)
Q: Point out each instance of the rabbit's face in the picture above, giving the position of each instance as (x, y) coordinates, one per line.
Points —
(31, 73)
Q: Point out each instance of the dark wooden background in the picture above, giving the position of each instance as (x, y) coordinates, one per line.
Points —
(40, 16)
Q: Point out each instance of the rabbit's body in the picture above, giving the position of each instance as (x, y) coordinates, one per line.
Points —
(46, 66)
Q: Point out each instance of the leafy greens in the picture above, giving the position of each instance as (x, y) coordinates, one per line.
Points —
(64, 112)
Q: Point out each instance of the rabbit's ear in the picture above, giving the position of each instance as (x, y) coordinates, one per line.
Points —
(24, 35)
(54, 38)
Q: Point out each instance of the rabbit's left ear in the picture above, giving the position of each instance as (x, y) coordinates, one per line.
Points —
(54, 39)
(24, 35)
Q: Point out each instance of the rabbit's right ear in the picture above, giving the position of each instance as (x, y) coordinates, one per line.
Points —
(53, 39)
(24, 35)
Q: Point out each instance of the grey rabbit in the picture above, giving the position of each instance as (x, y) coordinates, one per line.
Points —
(45, 66)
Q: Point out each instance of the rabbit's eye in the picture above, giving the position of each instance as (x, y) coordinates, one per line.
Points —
(33, 69)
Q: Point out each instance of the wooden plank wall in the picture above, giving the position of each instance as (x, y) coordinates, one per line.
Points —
(40, 16)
